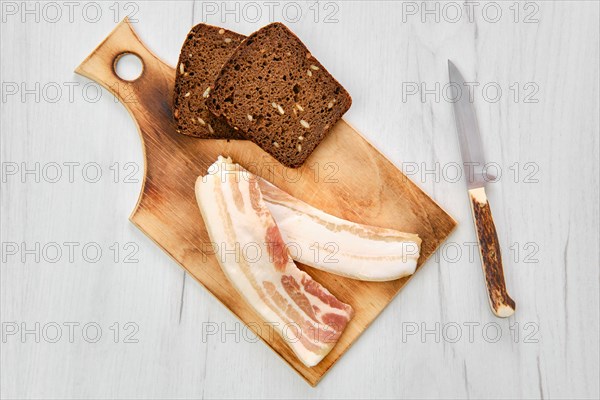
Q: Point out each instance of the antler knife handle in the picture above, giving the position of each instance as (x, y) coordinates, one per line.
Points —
(491, 259)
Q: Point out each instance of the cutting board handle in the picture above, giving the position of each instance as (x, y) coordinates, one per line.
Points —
(147, 99)
(139, 96)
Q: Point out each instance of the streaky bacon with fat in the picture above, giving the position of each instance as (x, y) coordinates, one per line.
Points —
(255, 258)
(339, 246)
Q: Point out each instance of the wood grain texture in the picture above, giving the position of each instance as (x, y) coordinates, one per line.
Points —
(365, 188)
(548, 349)
(491, 256)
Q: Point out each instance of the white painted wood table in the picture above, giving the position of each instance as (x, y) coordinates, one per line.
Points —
(91, 308)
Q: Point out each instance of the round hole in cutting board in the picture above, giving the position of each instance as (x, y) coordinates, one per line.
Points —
(128, 66)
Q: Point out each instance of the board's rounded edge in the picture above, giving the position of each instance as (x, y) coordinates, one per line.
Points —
(99, 67)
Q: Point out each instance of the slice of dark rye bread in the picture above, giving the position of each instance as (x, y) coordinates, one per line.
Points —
(204, 52)
(278, 95)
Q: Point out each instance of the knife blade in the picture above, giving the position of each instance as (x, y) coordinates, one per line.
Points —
(471, 149)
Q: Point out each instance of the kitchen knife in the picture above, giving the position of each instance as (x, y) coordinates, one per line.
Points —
(472, 154)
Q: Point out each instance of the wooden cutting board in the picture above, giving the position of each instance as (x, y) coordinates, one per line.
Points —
(346, 176)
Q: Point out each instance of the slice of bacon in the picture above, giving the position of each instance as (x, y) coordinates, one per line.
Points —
(253, 255)
(339, 246)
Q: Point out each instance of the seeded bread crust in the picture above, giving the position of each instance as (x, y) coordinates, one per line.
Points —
(204, 52)
(278, 95)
